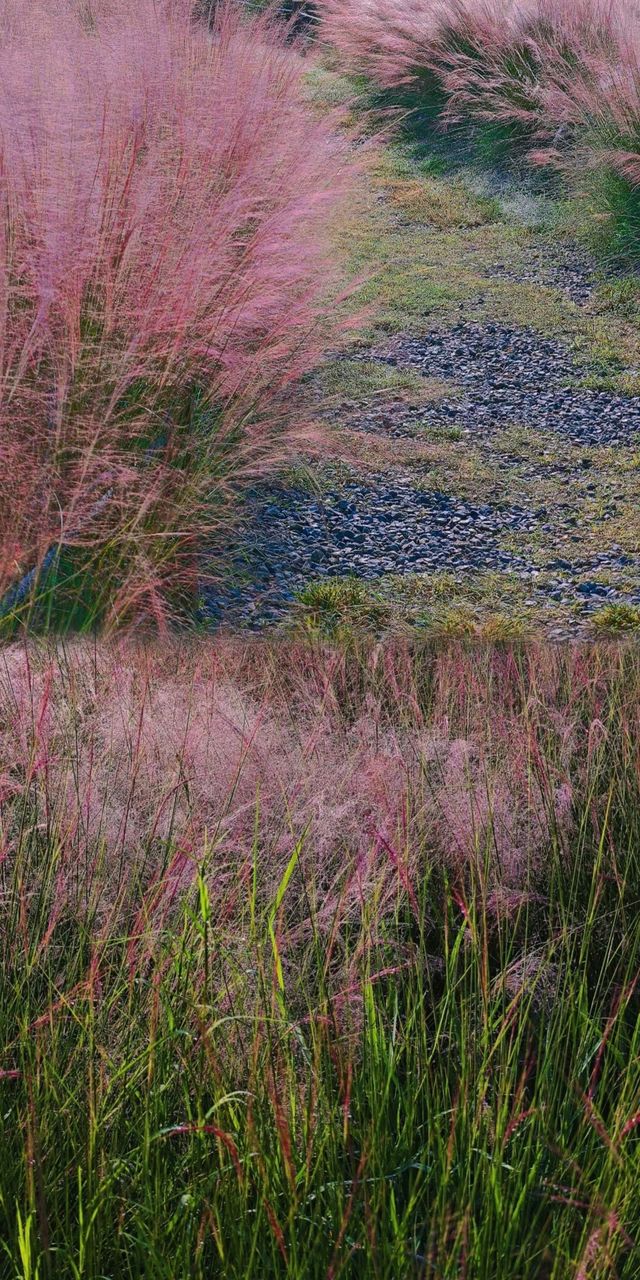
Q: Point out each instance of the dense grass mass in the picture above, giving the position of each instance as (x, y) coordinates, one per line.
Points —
(164, 273)
(319, 953)
(550, 82)
(320, 963)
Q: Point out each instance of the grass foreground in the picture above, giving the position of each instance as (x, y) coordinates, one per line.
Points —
(320, 964)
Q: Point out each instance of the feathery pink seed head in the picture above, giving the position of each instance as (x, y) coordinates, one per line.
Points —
(165, 195)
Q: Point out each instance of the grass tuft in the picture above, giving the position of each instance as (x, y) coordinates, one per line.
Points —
(166, 272)
(617, 618)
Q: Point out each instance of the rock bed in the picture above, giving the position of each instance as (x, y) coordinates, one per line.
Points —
(369, 528)
(386, 524)
(569, 271)
(510, 376)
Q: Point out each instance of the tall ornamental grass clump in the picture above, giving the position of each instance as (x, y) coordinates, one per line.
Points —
(319, 964)
(548, 81)
(164, 273)
(597, 114)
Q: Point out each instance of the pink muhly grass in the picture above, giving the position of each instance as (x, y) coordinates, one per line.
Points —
(201, 752)
(164, 272)
(398, 41)
(565, 72)
(599, 105)
(597, 1257)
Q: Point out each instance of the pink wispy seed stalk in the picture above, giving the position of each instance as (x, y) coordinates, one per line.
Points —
(556, 67)
(596, 1251)
(165, 193)
(196, 750)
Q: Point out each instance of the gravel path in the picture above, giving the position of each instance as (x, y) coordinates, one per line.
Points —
(514, 376)
(367, 528)
(380, 524)
(570, 271)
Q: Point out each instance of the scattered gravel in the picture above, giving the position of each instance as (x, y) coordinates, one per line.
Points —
(512, 376)
(386, 524)
(367, 528)
(566, 269)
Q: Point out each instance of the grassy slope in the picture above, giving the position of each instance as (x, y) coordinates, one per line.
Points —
(427, 236)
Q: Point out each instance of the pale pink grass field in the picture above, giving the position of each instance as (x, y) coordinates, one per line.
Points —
(152, 761)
